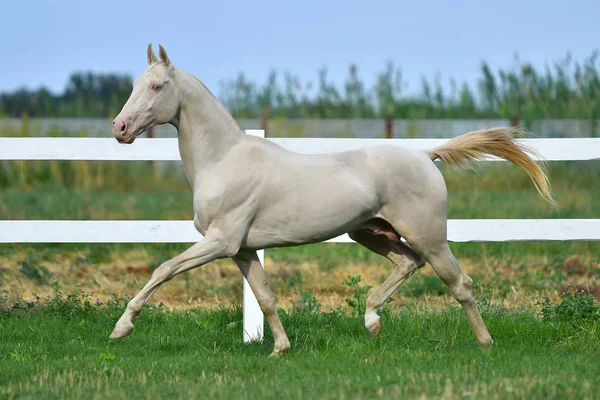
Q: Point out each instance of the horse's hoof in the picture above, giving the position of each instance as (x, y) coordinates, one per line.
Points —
(280, 352)
(121, 331)
(375, 328)
(277, 354)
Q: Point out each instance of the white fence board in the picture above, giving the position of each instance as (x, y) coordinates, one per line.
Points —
(549, 149)
(177, 231)
(167, 149)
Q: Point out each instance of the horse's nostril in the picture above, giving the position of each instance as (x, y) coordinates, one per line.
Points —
(113, 121)
(123, 127)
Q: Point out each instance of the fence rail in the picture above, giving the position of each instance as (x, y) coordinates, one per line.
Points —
(166, 149)
(481, 230)
(177, 231)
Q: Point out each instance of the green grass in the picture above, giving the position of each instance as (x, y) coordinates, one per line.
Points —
(61, 350)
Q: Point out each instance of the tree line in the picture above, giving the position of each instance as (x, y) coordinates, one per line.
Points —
(563, 89)
(86, 95)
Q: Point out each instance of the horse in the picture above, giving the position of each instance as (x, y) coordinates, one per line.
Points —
(251, 194)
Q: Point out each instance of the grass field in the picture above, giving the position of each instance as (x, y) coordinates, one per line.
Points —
(58, 348)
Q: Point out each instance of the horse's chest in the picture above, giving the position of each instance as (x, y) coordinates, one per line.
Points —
(221, 192)
(212, 200)
(205, 211)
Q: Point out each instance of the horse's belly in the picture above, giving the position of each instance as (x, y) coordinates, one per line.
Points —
(288, 235)
(309, 220)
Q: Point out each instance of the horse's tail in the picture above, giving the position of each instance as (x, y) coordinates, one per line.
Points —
(498, 142)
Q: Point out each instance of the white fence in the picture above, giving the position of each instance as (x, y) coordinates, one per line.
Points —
(483, 230)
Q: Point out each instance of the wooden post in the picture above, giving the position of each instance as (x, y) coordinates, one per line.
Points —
(389, 127)
(25, 124)
(264, 121)
(515, 120)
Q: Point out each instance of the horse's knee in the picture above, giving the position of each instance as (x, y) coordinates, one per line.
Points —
(463, 289)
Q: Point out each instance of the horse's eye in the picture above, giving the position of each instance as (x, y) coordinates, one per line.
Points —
(156, 88)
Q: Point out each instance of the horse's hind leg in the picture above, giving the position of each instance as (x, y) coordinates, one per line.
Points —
(461, 285)
(427, 236)
(406, 262)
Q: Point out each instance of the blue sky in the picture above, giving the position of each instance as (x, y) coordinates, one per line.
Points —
(44, 41)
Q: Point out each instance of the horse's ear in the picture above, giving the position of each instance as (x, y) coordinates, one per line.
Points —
(163, 55)
(151, 56)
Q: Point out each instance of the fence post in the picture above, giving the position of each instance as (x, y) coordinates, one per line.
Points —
(264, 122)
(389, 126)
(515, 121)
(254, 321)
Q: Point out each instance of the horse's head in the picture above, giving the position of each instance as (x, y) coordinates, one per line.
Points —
(153, 101)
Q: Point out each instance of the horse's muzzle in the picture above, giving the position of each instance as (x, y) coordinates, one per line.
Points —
(125, 140)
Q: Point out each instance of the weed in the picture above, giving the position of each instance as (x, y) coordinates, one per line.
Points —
(576, 307)
(359, 300)
(484, 302)
(307, 302)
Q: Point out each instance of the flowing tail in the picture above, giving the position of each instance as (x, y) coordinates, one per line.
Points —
(497, 142)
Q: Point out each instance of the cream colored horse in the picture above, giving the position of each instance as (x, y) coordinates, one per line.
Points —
(251, 194)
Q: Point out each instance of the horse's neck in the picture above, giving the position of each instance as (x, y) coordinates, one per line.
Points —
(206, 129)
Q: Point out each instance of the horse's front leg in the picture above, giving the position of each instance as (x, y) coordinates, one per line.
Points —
(213, 246)
(249, 264)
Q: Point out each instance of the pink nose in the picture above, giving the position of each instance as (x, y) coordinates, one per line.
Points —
(119, 127)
